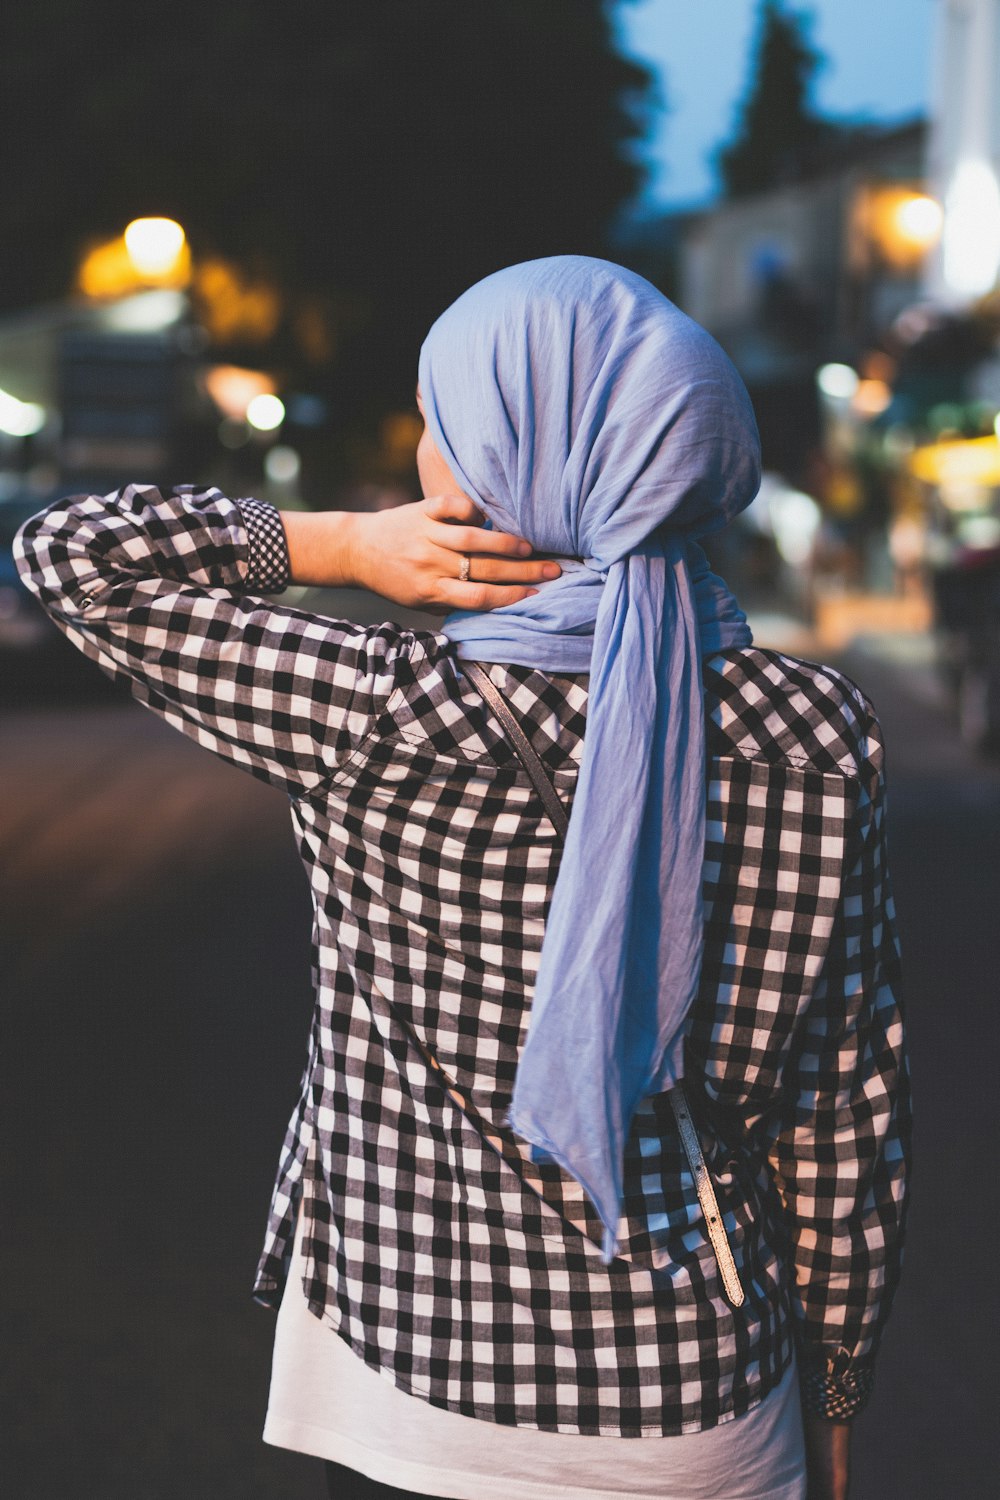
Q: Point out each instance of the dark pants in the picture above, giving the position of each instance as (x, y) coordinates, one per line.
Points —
(348, 1484)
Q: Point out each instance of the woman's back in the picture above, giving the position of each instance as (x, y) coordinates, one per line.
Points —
(433, 863)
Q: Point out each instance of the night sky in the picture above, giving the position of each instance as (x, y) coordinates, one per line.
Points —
(880, 66)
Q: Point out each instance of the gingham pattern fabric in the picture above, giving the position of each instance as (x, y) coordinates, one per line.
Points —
(267, 559)
(450, 1262)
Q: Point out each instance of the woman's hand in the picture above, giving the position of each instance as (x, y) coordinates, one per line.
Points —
(413, 555)
(827, 1457)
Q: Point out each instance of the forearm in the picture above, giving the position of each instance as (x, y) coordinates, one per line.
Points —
(828, 1457)
(322, 547)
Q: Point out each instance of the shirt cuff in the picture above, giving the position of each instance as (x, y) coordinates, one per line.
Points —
(832, 1387)
(268, 567)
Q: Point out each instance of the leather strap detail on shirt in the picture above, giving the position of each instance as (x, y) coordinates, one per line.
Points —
(526, 753)
(735, 1294)
(704, 1186)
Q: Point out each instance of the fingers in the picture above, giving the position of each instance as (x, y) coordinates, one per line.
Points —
(458, 595)
(453, 508)
(495, 570)
(474, 539)
(493, 579)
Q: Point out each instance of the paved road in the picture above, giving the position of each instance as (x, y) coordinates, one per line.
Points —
(155, 976)
(929, 1433)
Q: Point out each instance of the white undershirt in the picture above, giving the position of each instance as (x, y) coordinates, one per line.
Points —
(327, 1402)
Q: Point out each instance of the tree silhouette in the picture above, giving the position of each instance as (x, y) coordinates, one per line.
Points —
(369, 157)
(778, 133)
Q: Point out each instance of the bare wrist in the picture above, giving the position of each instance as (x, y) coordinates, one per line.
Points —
(322, 547)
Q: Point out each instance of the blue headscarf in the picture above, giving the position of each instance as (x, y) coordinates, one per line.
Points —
(582, 410)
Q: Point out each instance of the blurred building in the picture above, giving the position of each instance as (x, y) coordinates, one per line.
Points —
(157, 366)
(964, 151)
(811, 272)
(101, 384)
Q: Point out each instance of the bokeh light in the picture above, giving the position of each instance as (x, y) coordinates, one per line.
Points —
(266, 412)
(20, 418)
(282, 464)
(839, 382)
(919, 220)
(972, 230)
(154, 246)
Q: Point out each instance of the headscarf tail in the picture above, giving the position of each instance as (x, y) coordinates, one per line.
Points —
(581, 409)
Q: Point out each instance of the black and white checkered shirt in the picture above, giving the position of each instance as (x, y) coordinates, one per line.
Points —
(450, 1262)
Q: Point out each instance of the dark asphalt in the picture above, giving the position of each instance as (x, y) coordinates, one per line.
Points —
(154, 971)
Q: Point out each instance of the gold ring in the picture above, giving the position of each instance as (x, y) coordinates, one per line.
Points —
(463, 569)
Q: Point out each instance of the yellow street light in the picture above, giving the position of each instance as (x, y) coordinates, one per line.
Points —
(919, 220)
(897, 223)
(234, 389)
(154, 246)
(975, 461)
(151, 252)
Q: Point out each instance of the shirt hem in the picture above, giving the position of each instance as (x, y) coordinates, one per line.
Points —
(767, 1383)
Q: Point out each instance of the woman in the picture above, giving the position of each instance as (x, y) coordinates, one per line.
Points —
(509, 1224)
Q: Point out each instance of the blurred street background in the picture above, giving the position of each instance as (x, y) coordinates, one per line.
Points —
(226, 232)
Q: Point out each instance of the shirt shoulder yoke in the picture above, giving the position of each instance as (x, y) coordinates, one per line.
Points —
(765, 705)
